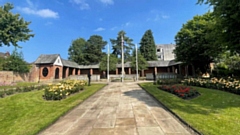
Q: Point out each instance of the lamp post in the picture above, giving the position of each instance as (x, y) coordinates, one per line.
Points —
(122, 60)
(136, 63)
(108, 64)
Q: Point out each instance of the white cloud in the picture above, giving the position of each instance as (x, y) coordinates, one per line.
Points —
(157, 18)
(156, 15)
(48, 23)
(107, 2)
(165, 16)
(99, 29)
(59, 2)
(127, 24)
(45, 13)
(30, 3)
(113, 28)
(83, 5)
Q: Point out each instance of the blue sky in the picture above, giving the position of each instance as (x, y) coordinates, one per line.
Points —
(56, 23)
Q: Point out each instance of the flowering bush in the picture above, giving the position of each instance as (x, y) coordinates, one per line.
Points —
(229, 84)
(184, 92)
(62, 90)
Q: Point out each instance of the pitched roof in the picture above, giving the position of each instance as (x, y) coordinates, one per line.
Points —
(127, 64)
(4, 55)
(162, 63)
(50, 59)
(68, 63)
(46, 59)
(89, 66)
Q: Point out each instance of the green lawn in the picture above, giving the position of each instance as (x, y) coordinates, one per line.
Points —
(213, 113)
(27, 113)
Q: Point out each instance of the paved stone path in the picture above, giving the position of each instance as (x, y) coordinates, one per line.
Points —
(118, 109)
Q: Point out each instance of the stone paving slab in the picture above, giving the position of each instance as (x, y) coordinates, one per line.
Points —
(150, 131)
(118, 109)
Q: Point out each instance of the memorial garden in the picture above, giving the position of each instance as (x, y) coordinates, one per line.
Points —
(204, 93)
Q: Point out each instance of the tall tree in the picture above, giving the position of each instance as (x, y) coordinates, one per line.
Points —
(2, 61)
(195, 42)
(142, 63)
(229, 61)
(87, 52)
(15, 62)
(227, 16)
(12, 28)
(77, 52)
(112, 63)
(117, 46)
(148, 47)
(94, 47)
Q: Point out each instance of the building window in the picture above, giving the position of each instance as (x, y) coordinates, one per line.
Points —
(160, 57)
(45, 72)
(158, 50)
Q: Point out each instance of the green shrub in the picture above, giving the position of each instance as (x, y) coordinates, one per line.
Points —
(2, 94)
(169, 81)
(10, 91)
(18, 89)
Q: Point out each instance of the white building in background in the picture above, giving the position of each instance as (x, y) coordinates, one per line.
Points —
(165, 52)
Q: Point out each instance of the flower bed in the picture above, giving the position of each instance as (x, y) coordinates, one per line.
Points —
(184, 92)
(229, 84)
(62, 90)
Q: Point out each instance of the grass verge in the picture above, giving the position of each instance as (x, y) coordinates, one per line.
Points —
(28, 113)
(213, 113)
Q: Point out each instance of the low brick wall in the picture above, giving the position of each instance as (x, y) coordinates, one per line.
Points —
(9, 77)
(162, 76)
(85, 77)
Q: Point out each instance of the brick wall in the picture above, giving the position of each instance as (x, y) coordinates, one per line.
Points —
(33, 74)
(8, 77)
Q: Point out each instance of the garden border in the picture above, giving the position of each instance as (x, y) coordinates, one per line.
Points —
(174, 114)
(65, 113)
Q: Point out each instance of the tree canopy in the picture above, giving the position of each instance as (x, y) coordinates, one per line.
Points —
(112, 62)
(226, 13)
(228, 61)
(76, 51)
(87, 52)
(13, 28)
(94, 47)
(195, 42)
(16, 63)
(148, 47)
(117, 46)
(142, 63)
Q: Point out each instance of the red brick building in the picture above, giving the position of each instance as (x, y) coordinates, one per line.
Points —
(51, 67)
(4, 55)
